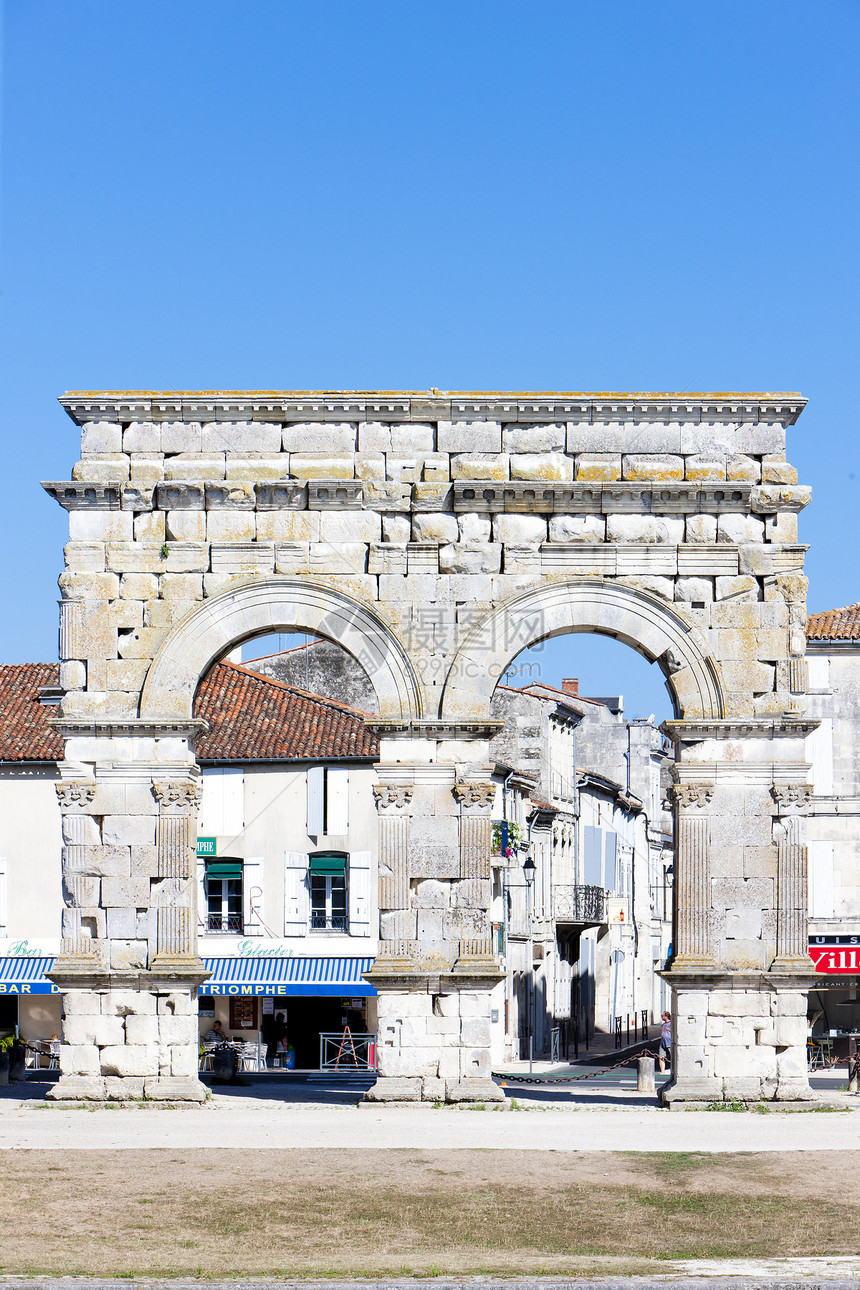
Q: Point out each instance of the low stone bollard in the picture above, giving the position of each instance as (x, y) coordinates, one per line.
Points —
(645, 1077)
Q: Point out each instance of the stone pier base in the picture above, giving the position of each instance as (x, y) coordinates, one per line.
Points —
(128, 1039)
(434, 1037)
(738, 1038)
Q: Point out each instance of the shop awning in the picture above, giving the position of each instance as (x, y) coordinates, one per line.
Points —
(21, 974)
(288, 976)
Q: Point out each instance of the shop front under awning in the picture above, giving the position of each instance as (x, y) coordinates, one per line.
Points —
(288, 976)
(24, 975)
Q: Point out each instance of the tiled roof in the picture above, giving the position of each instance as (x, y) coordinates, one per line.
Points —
(254, 718)
(24, 732)
(251, 718)
(834, 624)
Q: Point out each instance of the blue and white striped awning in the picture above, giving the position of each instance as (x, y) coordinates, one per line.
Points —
(286, 976)
(21, 974)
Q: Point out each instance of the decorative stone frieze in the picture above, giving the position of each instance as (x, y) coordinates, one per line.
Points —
(392, 795)
(791, 799)
(473, 795)
(177, 795)
(692, 795)
(74, 795)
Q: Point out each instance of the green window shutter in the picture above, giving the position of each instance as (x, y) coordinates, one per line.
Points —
(330, 866)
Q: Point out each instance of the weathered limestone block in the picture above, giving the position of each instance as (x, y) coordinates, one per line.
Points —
(577, 528)
(547, 465)
(695, 590)
(396, 528)
(332, 438)
(85, 557)
(142, 436)
(179, 586)
(181, 436)
(370, 467)
(469, 436)
(187, 557)
(700, 466)
(534, 438)
(598, 466)
(145, 471)
(191, 467)
(150, 527)
(429, 893)
(130, 1059)
(781, 528)
(398, 925)
(776, 470)
(657, 466)
(436, 468)
(240, 437)
(79, 1059)
(250, 469)
(480, 465)
(430, 527)
(80, 1088)
(83, 1030)
(742, 468)
(101, 436)
(739, 528)
(474, 527)
(132, 892)
(231, 526)
(101, 526)
(520, 530)
(350, 526)
(644, 528)
(741, 588)
(138, 586)
(701, 529)
(288, 526)
(106, 468)
(465, 924)
(73, 675)
(470, 557)
(346, 557)
(89, 586)
(310, 466)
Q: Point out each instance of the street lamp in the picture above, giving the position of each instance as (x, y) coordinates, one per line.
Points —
(529, 875)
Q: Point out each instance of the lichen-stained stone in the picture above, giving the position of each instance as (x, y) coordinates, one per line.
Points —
(191, 467)
(134, 557)
(740, 467)
(328, 439)
(288, 526)
(547, 465)
(435, 468)
(105, 468)
(150, 527)
(370, 467)
(480, 465)
(396, 528)
(181, 586)
(742, 587)
(695, 590)
(343, 557)
(309, 466)
(101, 526)
(469, 437)
(84, 557)
(432, 497)
(231, 526)
(89, 586)
(474, 527)
(142, 436)
(138, 586)
(534, 438)
(470, 557)
(186, 557)
(700, 466)
(598, 466)
(577, 528)
(701, 529)
(145, 470)
(776, 470)
(660, 466)
(781, 528)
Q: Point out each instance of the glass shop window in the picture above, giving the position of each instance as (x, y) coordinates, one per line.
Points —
(328, 892)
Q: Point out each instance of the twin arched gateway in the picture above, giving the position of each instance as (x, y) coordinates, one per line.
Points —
(435, 537)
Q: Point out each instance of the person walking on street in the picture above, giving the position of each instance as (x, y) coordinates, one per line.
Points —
(664, 1052)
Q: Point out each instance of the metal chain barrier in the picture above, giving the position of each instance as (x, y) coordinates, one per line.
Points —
(572, 1079)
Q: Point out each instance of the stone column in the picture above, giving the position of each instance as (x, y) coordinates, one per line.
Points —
(471, 896)
(392, 802)
(792, 935)
(692, 876)
(174, 890)
(83, 920)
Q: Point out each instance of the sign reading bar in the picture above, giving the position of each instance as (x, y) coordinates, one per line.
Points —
(835, 954)
(207, 846)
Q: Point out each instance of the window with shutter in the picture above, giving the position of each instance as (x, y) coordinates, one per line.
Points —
(295, 893)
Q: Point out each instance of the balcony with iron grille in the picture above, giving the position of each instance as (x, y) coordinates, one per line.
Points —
(579, 904)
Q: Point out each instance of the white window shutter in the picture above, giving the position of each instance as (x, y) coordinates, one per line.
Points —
(295, 893)
(337, 801)
(252, 896)
(360, 904)
(316, 801)
(222, 806)
(819, 751)
(201, 893)
(821, 896)
(4, 895)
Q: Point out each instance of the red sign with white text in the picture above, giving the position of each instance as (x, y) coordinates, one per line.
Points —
(835, 958)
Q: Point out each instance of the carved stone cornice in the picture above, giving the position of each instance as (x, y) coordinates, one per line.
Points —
(179, 796)
(392, 795)
(114, 727)
(431, 728)
(73, 795)
(475, 794)
(791, 799)
(84, 495)
(692, 795)
(700, 729)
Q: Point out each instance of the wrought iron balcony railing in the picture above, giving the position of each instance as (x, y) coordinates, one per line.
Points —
(579, 904)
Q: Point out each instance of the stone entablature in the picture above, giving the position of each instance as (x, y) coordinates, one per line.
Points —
(435, 536)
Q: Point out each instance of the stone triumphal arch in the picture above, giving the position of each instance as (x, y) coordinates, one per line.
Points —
(434, 536)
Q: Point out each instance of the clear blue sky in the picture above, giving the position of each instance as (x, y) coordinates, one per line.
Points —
(464, 193)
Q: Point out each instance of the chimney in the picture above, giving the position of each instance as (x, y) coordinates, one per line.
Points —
(571, 686)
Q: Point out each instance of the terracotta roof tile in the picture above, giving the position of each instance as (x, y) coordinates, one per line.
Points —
(24, 732)
(834, 624)
(251, 718)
